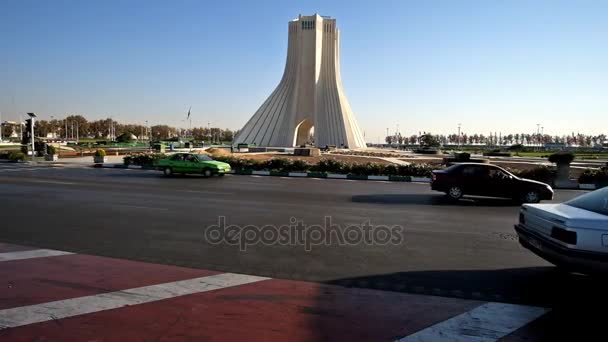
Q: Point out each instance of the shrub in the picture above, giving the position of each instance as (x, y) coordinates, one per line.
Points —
(328, 166)
(300, 166)
(4, 154)
(497, 154)
(391, 170)
(51, 149)
(427, 151)
(462, 156)
(16, 156)
(278, 164)
(415, 170)
(100, 153)
(598, 177)
(516, 147)
(143, 159)
(542, 174)
(562, 157)
(331, 166)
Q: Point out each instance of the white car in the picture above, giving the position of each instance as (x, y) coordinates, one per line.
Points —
(572, 235)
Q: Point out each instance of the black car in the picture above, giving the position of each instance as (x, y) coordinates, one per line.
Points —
(480, 179)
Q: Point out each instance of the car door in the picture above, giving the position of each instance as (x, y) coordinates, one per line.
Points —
(177, 163)
(191, 164)
(500, 183)
(473, 180)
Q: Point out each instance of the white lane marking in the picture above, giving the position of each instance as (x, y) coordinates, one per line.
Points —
(485, 323)
(205, 192)
(140, 207)
(15, 317)
(36, 253)
(47, 182)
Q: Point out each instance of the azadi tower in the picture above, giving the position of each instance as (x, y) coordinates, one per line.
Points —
(310, 94)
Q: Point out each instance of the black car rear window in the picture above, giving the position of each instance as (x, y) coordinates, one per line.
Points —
(596, 201)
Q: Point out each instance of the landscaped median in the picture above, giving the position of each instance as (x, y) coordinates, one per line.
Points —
(283, 167)
(332, 176)
(333, 169)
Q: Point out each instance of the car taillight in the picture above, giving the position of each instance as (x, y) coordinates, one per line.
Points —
(434, 177)
(563, 235)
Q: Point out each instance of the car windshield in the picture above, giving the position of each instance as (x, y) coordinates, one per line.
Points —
(203, 157)
(596, 201)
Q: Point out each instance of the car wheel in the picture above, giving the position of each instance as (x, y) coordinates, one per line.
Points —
(531, 197)
(168, 171)
(207, 173)
(455, 192)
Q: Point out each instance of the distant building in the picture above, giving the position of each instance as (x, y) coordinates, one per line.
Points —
(555, 146)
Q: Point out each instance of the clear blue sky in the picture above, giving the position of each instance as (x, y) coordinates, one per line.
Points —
(425, 65)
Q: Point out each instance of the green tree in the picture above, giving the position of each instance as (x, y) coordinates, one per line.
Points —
(429, 140)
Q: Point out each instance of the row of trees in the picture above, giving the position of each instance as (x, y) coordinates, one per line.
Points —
(498, 139)
(77, 126)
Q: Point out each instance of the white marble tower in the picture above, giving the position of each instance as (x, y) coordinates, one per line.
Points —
(310, 94)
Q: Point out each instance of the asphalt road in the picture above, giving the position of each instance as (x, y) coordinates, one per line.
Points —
(466, 249)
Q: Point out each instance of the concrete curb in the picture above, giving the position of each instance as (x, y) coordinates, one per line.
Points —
(587, 186)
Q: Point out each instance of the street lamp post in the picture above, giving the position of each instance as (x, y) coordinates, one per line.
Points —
(387, 133)
(459, 136)
(32, 116)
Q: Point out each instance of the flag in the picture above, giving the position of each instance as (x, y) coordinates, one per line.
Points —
(189, 112)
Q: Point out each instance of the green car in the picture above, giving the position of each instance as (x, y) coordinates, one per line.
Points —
(192, 163)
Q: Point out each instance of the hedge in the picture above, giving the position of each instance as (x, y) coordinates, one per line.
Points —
(597, 177)
(16, 156)
(562, 157)
(497, 154)
(143, 159)
(542, 174)
(329, 166)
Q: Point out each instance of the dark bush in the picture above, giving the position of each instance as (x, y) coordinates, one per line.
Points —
(542, 174)
(4, 154)
(562, 157)
(598, 177)
(428, 151)
(278, 164)
(391, 170)
(497, 154)
(143, 159)
(462, 156)
(299, 166)
(330, 166)
(16, 156)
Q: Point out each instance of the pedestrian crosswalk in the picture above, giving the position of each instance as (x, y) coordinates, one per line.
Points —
(61, 296)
